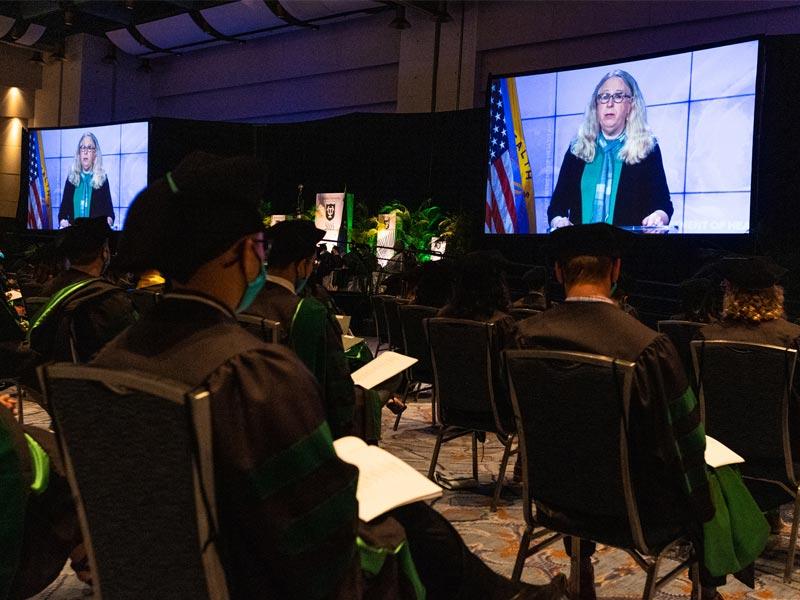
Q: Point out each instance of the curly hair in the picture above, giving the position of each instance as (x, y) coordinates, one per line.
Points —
(98, 172)
(754, 306)
(639, 139)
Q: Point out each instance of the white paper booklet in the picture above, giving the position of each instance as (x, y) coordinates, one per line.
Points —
(348, 341)
(719, 455)
(386, 365)
(384, 481)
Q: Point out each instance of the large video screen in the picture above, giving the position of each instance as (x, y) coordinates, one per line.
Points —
(662, 145)
(85, 172)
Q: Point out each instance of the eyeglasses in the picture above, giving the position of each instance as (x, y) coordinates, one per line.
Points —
(87, 148)
(617, 97)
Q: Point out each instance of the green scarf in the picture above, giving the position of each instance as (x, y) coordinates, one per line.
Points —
(600, 180)
(82, 198)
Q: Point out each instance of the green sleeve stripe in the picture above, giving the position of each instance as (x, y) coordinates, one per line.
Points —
(293, 464)
(682, 406)
(316, 526)
(693, 442)
(41, 465)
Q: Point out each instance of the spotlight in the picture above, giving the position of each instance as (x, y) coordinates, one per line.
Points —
(37, 58)
(144, 66)
(111, 56)
(399, 21)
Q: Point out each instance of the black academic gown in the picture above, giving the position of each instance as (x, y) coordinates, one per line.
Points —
(62, 280)
(287, 508)
(326, 361)
(657, 468)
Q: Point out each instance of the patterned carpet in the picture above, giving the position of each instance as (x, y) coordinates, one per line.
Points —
(495, 536)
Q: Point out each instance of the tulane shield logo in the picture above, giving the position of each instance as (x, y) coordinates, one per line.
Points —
(330, 211)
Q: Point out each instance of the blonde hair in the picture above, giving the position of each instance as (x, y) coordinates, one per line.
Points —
(639, 139)
(98, 172)
(754, 306)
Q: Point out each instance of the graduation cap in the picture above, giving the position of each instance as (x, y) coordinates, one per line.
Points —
(750, 272)
(595, 239)
(292, 241)
(193, 214)
(84, 236)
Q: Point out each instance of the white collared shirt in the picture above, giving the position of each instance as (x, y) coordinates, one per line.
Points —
(284, 283)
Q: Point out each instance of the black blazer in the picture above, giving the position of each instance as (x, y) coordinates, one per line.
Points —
(642, 190)
(99, 204)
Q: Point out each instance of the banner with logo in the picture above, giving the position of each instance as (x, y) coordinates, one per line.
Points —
(330, 209)
(387, 225)
(438, 245)
(275, 219)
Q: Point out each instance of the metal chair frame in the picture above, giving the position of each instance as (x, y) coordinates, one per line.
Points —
(411, 382)
(198, 406)
(790, 354)
(450, 432)
(270, 330)
(377, 302)
(647, 560)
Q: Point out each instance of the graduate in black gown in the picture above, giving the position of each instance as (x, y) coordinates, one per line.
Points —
(287, 508)
(666, 435)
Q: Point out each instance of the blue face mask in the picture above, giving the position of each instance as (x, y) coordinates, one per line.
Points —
(252, 290)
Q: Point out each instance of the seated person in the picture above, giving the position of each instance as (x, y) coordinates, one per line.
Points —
(88, 306)
(752, 311)
(435, 284)
(39, 524)
(666, 435)
(698, 303)
(481, 294)
(84, 245)
(307, 326)
(535, 281)
(287, 508)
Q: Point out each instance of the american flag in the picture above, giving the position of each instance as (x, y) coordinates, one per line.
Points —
(501, 214)
(39, 193)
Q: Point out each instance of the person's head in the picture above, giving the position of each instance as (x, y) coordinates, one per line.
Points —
(201, 227)
(697, 299)
(751, 287)
(480, 288)
(616, 106)
(88, 159)
(588, 258)
(335, 251)
(435, 284)
(85, 245)
(293, 253)
(535, 280)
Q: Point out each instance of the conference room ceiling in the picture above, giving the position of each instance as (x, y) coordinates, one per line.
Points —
(152, 28)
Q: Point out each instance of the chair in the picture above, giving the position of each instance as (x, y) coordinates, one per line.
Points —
(393, 325)
(681, 334)
(143, 299)
(381, 325)
(571, 410)
(138, 455)
(470, 394)
(416, 346)
(264, 329)
(749, 413)
(518, 314)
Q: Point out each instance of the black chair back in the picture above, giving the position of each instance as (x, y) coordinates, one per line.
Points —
(571, 410)
(33, 304)
(263, 329)
(137, 451)
(467, 383)
(395, 328)
(379, 316)
(681, 334)
(415, 342)
(744, 397)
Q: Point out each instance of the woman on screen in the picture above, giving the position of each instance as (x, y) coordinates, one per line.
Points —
(86, 191)
(612, 171)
